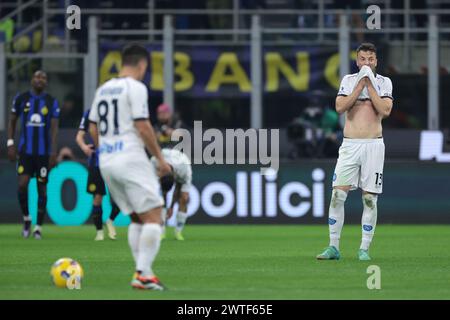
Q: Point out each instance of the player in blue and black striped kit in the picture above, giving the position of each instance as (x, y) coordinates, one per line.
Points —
(38, 113)
(95, 183)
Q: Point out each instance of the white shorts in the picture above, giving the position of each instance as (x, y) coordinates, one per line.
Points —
(360, 164)
(186, 186)
(132, 182)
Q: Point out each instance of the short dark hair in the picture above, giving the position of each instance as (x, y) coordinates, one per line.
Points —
(367, 46)
(167, 182)
(133, 53)
(40, 71)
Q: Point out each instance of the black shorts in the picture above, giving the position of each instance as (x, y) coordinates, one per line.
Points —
(95, 183)
(34, 166)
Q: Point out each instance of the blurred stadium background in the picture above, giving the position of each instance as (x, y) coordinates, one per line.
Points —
(245, 64)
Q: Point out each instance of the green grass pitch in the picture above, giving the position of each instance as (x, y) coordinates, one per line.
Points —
(233, 262)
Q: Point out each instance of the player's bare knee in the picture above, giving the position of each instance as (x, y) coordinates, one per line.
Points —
(343, 188)
(151, 216)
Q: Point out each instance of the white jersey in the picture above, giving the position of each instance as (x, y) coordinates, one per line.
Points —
(117, 104)
(128, 173)
(180, 163)
(383, 85)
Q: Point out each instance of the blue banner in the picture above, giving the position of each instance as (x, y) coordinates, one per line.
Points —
(219, 71)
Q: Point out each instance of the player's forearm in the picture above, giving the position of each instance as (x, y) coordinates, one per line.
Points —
(80, 139)
(173, 202)
(148, 135)
(343, 104)
(94, 133)
(12, 126)
(383, 106)
(176, 195)
(164, 196)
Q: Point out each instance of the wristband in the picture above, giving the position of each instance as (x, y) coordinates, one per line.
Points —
(10, 143)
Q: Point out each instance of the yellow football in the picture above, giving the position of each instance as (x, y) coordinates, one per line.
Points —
(67, 273)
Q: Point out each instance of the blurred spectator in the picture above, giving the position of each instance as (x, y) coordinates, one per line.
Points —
(165, 125)
(65, 154)
(329, 134)
(6, 27)
(316, 132)
(302, 133)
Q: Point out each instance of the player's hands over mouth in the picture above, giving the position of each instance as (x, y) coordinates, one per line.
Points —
(362, 83)
(12, 154)
(368, 82)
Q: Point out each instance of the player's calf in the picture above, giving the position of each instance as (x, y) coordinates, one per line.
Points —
(97, 217)
(42, 204)
(111, 229)
(23, 201)
(109, 223)
(181, 215)
(369, 219)
(336, 216)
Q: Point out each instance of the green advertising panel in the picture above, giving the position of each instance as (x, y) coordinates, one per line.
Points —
(413, 192)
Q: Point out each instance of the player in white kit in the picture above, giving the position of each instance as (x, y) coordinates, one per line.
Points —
(366, 99)
(120, 128)
(182, 176)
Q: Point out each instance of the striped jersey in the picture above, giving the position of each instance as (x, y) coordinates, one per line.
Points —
(35, 113)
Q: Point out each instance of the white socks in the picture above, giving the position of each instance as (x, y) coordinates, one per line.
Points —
(336, 216)
(134, 234)
(149, 242)
(369, 219)
(181, 220)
